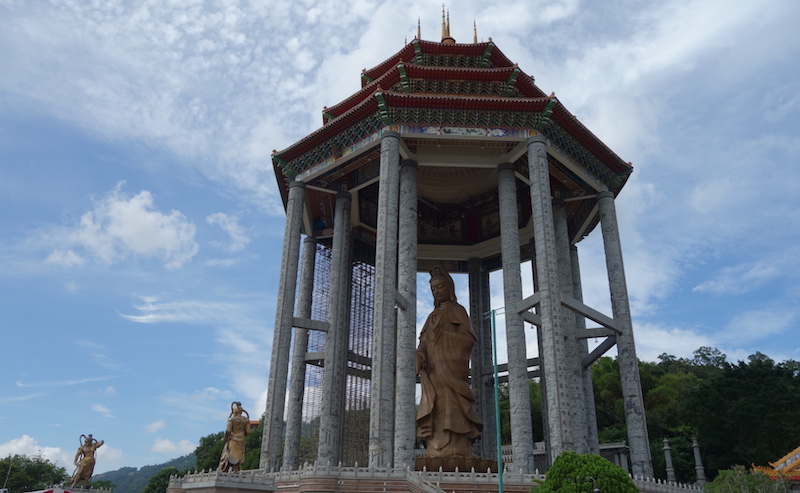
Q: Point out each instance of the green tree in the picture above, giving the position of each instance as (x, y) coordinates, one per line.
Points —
(31, 473)
(573, 473)
(740, 480)
(160, 482)
(208, 451)
(101, 485)
(748, 413)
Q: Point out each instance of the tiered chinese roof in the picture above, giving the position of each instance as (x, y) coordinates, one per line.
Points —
(460, 109)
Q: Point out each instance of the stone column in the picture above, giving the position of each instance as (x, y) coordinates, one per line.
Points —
(282, 332)
(405, 419)
(519, 392)
(334, 377)
(381, 422)
(482, 368)
(569, 323)
(641, 463)
(553, 348)
(297, 381)
(668, 461)
(592, 436)
(698, 463)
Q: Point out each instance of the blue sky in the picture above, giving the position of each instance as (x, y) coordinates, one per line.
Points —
(142, 230)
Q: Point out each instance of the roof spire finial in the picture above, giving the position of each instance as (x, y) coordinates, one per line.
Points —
(419, 30)
(444, 26)
(474, 32)
(446, 38)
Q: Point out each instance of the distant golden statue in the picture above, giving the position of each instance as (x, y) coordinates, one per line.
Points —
(446, 418)
(236, 432)
(85, 459)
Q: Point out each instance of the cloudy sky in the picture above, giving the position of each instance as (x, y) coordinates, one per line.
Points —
(141, 229)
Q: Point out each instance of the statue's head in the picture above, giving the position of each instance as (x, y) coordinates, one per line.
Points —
(442, 287)
(236, 408)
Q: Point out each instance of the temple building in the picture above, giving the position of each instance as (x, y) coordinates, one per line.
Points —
(449, 155)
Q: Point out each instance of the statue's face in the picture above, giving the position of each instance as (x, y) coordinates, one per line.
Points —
(440, 289)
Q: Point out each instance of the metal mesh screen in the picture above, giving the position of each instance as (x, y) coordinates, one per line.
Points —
(356, 426)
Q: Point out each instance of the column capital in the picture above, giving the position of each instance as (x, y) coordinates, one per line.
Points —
(295, 183)
(409, 162)
(344, 195)
(505, 166)
(310, 240)
(538, 138)
(390, 133)
(605, 194)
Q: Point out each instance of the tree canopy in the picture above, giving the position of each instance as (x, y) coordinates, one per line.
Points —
(30, 473)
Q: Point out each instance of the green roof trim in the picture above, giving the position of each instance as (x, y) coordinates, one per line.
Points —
(405, 83)
(545, 115)
(484, 63)
(419, 59)
(383, 109)
(508, 90)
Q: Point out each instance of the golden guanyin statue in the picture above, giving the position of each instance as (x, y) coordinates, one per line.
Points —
(446, 418)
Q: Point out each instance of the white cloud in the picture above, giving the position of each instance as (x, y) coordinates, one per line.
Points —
(27, 445)
(102, 410)
(65, 258)
(653, 339)
(753, 325)
(152, 310)
(230, 224)
(207, 405)
(155, 426)
(123, 227)
(165, 446)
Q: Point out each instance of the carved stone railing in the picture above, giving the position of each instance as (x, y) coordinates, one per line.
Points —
(653, 485)
(381, 477)
(255, 479)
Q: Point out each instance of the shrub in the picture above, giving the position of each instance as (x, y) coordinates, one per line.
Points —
(571, 473)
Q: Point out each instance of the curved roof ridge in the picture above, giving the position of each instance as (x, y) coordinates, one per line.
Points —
(524, 82)
(409, 52)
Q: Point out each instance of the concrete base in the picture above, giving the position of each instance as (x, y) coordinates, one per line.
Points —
(451, 464)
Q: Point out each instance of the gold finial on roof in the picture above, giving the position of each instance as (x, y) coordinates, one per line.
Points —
(446, 38)
(419, 30)
(474, 32)
(444, 27)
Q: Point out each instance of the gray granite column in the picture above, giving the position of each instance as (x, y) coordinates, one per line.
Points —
(381, 422)
(668, 462)
(297, 381)
(641, 463)
(405, 419)
(569, 323)
(334, 378)
(519, 392)
(592, 436)
(698, 463)
(553, 348)
(282, 332)
(482, 367)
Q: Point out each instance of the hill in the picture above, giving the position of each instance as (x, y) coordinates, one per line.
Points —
(133, 480)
